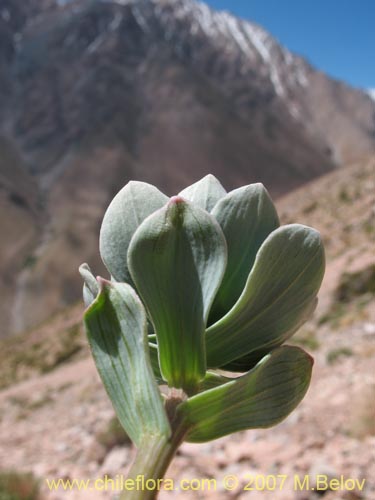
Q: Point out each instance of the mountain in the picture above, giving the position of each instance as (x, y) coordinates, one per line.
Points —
(94, 93)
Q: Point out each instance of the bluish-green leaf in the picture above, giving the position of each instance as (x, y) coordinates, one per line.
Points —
(278, 294)
(128, 209)
(177, 258)
(247, 362)
(246, 216)
(261, 398)
(204, 193)
(117, 332)
(90, 285)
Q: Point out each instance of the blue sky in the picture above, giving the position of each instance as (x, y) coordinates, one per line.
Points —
(336, 36)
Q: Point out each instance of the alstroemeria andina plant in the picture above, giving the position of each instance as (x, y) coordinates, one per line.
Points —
(201, 282)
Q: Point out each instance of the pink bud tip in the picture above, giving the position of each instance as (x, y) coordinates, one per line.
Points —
(176, 199)
(102, 281)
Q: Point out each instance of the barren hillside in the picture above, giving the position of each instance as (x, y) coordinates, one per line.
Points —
(62, 423)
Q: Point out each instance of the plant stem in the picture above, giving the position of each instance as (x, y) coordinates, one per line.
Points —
(153, 457)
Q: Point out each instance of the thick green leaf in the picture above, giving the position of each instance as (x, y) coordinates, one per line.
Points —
(117, 332)
(212, 380)
(278, 294)
(261, 398)
(245, 363)
(128, 209)
(204, 193)
(177, 259)
(246, 216)
(90, 285)
(154, 358)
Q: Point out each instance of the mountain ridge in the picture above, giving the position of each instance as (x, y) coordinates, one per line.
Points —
(96, 93)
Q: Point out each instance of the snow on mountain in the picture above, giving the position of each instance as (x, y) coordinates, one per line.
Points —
(190, 19)
(93, 93)
(371, 93)
(236, 35)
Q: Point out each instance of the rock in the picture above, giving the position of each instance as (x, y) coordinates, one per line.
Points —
(115, 461)
(321, 469)
(95, 452)
(369, 328)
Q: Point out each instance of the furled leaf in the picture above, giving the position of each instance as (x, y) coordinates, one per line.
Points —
(128, 209)
(279, 292)
(177, 258)
(261, 398)
(117, 332)
(246, 216)
(90, 285)
(204, 193)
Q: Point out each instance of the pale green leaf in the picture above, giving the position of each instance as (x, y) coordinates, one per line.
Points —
(117, 332)
(204, 193)
(245, 363)
(259, 399)
(246, 216)
(278, 294)
(128, 209)
(90, 285)
(177, 258)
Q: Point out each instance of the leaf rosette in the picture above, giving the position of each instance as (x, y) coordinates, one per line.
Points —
(201, 282)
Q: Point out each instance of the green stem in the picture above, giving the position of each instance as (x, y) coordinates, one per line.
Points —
(151, 463)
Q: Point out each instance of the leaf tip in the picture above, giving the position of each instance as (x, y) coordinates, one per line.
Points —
(83, 267)
(310, 359)
(103, 282)
(210, 177)
(176, 200)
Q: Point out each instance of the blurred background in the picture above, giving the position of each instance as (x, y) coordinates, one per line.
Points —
(94, 93)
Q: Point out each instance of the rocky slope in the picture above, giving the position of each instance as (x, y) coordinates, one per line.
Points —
(61, 419)
(19, 223)
(93, 93)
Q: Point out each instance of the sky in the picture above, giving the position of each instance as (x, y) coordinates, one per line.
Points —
(336, 36)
